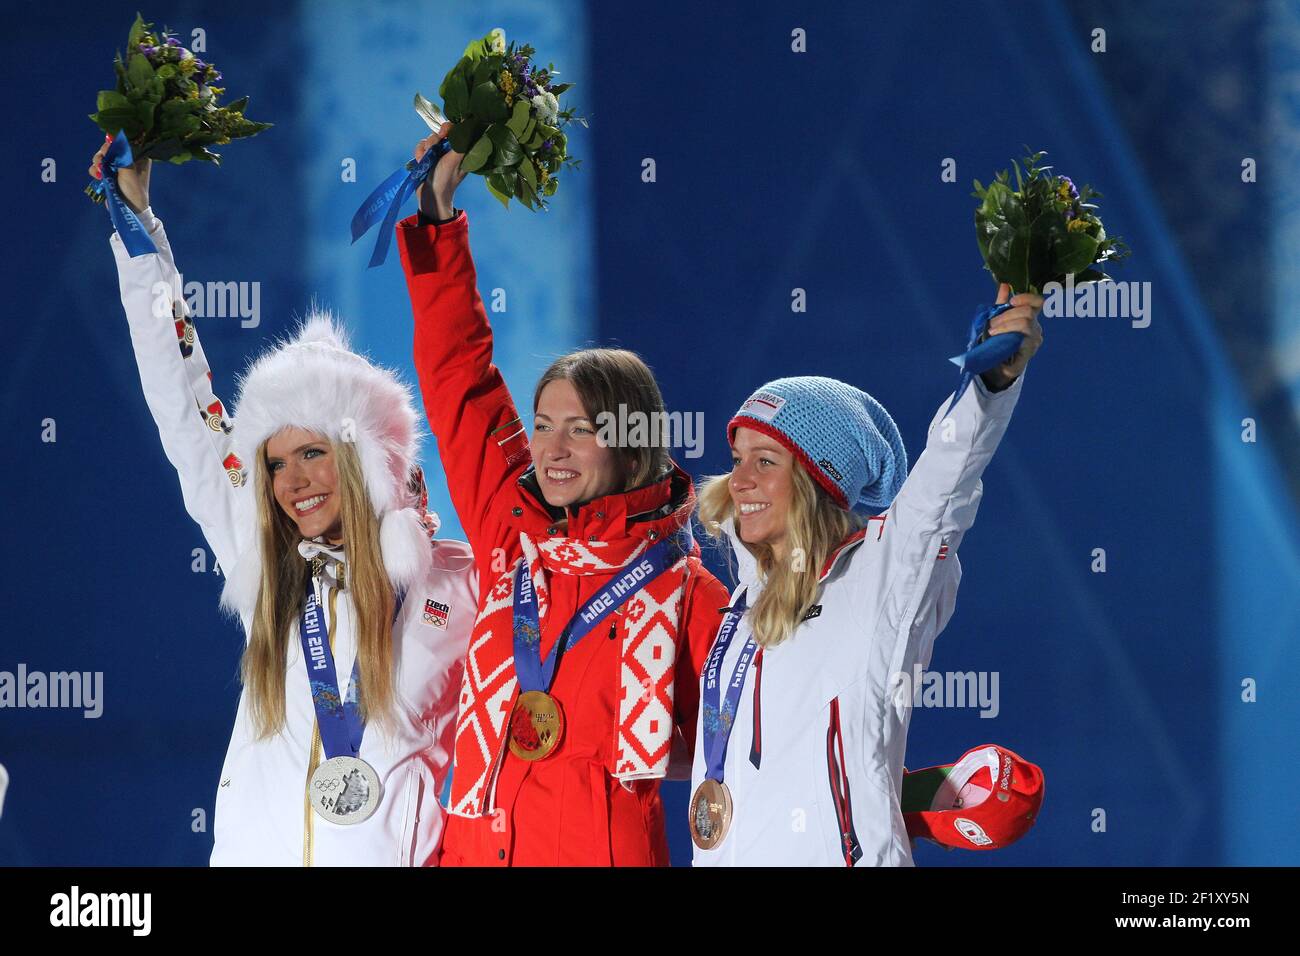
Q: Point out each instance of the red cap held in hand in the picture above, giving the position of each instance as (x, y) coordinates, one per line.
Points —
(986, 800)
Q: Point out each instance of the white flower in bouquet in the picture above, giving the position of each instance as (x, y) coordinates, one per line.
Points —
(547, 106)
(497, 40)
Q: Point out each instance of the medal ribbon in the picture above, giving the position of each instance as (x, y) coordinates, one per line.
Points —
(385, 202)
(536, 674)
(720, 714)
(339, 717)
(128, 225)
(980, 356)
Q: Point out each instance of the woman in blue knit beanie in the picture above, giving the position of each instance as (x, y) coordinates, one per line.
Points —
(848, 570)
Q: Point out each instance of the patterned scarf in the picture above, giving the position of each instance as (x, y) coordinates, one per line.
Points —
(648, 625)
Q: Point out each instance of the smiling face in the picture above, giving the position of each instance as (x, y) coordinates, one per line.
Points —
(762, 488)
(304, 480)
(572, 466)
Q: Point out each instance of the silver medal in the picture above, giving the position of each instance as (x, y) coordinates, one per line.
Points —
(345, 790)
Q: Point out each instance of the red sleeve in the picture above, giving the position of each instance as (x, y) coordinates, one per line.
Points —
(481, 439)
(704, 599)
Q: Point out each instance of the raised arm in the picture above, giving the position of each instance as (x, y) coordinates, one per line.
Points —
(481, 439)
(177, 382)
(937, 504)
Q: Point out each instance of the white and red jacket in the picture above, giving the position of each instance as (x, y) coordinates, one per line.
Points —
(261, 814)
(815, 764)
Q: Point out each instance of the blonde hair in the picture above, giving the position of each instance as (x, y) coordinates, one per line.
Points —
(284, 583)
(816, 526)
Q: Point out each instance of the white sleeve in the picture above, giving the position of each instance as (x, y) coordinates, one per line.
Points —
(177, 384)
(938, 502)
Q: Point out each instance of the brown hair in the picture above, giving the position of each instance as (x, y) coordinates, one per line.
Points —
(606, 379)
(284, 582)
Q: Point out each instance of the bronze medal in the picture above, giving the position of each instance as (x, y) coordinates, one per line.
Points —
(536, 726)
(710, 812)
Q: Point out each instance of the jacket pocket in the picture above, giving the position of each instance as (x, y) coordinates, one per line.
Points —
(838, 780)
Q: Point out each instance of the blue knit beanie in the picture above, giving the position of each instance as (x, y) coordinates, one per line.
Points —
(842, 436)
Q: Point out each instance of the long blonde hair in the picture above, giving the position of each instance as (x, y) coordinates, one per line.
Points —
(284, 585)
(815, 527)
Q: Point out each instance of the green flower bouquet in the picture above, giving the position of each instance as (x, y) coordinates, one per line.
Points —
(167, 103)
(1043, 230)
(506, 118)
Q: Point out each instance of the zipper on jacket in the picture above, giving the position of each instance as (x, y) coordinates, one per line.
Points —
(313, 759)
(307, 832)
(839, 776)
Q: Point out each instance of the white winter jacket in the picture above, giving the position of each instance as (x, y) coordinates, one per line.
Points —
(261, 815)
(831, 720)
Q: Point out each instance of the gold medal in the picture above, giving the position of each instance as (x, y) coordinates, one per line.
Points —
(536, 726)
(710, 811)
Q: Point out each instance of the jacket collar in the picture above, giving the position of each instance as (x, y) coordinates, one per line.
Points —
(747, 571)
(654, 511)
(844, 548)
(325, 558)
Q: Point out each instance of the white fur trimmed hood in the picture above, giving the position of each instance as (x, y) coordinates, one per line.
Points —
(316, 382)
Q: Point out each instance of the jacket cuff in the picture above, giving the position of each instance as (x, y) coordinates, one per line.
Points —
(147, 219)
(990, 400)
(428, 221)
(419, 243)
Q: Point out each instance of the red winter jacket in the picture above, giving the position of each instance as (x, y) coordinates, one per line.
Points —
(566, 809)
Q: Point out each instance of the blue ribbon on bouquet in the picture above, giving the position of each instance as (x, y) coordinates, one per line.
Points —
(980, 356)
(129, 227)
(385, 202)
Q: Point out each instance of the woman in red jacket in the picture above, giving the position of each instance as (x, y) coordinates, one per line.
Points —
(595, 614)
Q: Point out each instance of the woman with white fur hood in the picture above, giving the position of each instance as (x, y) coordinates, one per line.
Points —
(357, 619)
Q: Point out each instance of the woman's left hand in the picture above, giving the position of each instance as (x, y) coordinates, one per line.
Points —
(439, 189)
(1023, 317)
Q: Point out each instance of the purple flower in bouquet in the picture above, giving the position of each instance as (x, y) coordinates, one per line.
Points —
(164, 101)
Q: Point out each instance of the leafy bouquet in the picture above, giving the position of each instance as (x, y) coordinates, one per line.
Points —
(1043, 230)
(506, 119)
(1031, 236)
(166, 102)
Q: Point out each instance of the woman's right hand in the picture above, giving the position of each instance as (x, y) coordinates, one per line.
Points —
(438, 191)
(132, 181)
